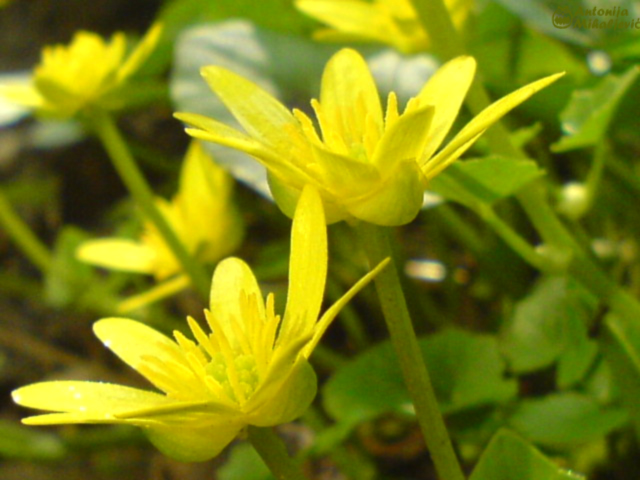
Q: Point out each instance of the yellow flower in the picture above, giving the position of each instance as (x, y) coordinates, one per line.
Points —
(201, 213)
(367, 164)
(251, 370)
(392, 22)
(87, 73)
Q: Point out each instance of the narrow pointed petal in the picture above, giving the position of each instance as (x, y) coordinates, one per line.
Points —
(158, 292)
(187, 443)
(343, 176)
(307, 267)
(286, 358)
(133, 341)
(355, 18)
(231, 279)
(88, 399)
(294, 397)
(259, 113)
(481, 122)
(286, 197)
(210, 130)
(405, 139)
(24, 95)
(445, 91)
(118, 254)
(348, 95)
(333, 311)
(76, 418)
(141, 52)
(396, 201)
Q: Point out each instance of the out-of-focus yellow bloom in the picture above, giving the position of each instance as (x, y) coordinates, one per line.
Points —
(252, 368)
(202, 214)
(367, 164)
(87, 73)
(392, 22)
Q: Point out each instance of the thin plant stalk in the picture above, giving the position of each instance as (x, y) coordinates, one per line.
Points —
(377, 246)
(108, 133)
(274, 453)
(23, 236)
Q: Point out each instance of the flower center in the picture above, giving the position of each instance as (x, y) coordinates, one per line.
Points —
(246, 371)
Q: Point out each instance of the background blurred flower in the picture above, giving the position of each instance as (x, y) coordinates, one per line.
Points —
(252, 368)
(202, 214)
(367, 164)
(392, 22)
(89, 72)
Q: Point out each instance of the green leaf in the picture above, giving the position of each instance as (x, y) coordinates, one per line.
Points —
(547, 324)
(372, 384)
(26, 443)
(620, 343)
(244, 462)
(509, 457)
(485, 180)
(71, 282)
(67, 276)
(565, 419)
(586, 118)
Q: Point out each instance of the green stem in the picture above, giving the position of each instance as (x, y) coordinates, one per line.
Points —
(274, 453)
(594, 178)
(377, 246)
(23, 237)
(132, 177)
(517, 243)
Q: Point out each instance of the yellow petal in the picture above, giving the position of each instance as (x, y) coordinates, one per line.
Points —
(286, 197)
(348, 97)
(133, 341)
(141, 52)
(445, 91)
(307, 267)
(92, 401)
(291, 400)
(396, 200)
(155, 294)
(285, 360)
(213, 131)
(205, 194)
(232, 279)
(333, 311)
(405, 139)
(117, 254)
(260, 114)
(343, 176)
(193, 444)
(354, 18)
(476, 127)
(24, 95)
